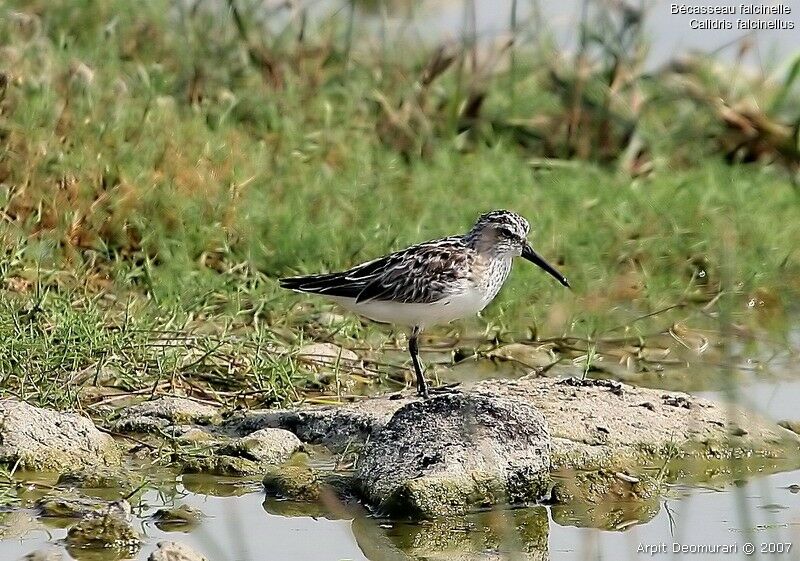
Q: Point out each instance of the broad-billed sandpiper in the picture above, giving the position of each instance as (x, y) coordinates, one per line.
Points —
(433, 282)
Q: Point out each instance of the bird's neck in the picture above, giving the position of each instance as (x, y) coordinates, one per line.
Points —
(495, 275)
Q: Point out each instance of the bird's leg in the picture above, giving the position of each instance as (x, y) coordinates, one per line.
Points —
(413, 349)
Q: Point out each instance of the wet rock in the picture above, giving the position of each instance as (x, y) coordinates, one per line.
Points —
(174, 551)
(337, 427)
(182, 517)
(73, 506)
(248, 455)
(592, 486)
(215, 464)
(676, 424)
(103, 531)
(456, 452)
(48, 554)
(297, 483)
(217, 487)
(40, 439)
(302, 483)
(574, 409)
(793, 426)
(122, 481)
(160, 414)
(65, 507)
(599, 428)
(265, 446)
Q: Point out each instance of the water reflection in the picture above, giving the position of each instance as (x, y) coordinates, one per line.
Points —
(606, 515)
(498, 534)
(240, 526)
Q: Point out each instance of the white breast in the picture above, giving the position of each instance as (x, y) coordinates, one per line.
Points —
(496, 277)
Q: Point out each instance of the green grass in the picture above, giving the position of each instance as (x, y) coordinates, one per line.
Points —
(158, 173)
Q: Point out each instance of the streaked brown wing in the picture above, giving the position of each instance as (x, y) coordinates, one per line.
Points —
(422, 273)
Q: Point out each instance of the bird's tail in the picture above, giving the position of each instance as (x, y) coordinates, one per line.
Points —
(309, 283)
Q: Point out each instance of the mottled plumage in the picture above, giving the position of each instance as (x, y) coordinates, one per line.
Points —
(421, 274)
(432, 282)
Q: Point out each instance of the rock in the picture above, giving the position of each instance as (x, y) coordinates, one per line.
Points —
(248, 455)
(157, 415)
(196, 435)
(297, 483)
(455, 452)
(599, 428)
(109, 531)
(265, 446)
(215, 464)
(793, 426)
(327, 354)
(119, 480)
(317, 510)
(201, 484)
(330, 364)
(531, 356)
(174, 551)
(592, 422)
(49, 554)
(66, 506)
(97, 376)
(183, 517)
(302, 483)
(44, 440)
(337, 427)
(631, 433)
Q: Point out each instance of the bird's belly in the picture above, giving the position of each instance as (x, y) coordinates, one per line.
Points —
(442, 311)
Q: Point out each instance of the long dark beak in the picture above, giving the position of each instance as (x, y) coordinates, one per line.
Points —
(533, 257)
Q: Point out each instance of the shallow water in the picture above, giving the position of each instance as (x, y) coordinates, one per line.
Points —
(243, 529)
(668, 35)
(239, 524)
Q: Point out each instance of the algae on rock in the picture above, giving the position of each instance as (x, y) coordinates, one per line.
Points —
(456, 452)
(45, 440)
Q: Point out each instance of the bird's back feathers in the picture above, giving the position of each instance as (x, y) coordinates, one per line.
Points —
(421, 274)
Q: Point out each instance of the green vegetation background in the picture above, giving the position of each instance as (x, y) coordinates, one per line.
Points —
(161, 165)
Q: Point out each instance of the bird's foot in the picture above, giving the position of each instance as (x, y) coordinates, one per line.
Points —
(444, 389)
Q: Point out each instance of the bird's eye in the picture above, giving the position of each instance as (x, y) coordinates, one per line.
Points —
(506, 233)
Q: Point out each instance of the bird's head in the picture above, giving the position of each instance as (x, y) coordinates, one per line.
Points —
(502, 234)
